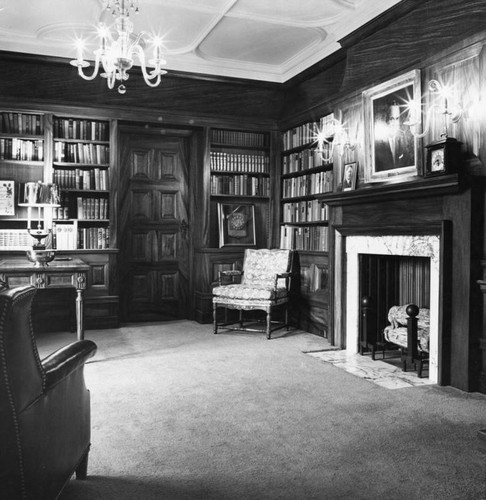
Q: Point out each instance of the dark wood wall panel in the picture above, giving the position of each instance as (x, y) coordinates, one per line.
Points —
(58, 82)
(429, 28)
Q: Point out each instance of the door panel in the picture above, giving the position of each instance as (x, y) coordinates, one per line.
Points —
(154, 249)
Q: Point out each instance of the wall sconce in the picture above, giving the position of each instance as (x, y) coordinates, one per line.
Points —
(332, 136)
(443, 155)
(452, 113)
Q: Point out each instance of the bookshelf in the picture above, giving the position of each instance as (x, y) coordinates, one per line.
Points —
(240, 164)
(307, 175)
(81, 159)
(240, 174)
(22, 160)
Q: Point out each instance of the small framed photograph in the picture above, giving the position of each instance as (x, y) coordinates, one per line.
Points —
(391, 151)
(7, 198)
(236, 224)
(443, 157)
(350, 174)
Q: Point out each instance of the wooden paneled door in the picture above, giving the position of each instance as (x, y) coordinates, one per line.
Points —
(155, 259)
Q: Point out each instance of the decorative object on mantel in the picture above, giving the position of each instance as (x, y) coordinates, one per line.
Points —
(350, 174)
(116, 53)
(391, 151)
(443, 157)
(40, 196)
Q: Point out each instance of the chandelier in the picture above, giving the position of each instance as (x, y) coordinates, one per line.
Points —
(118, 48)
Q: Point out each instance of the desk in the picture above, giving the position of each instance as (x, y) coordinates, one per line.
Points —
(70, 273)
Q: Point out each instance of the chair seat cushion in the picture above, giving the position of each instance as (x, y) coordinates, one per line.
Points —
(244, 292)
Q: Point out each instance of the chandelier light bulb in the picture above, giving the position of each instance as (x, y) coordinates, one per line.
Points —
(119, 47)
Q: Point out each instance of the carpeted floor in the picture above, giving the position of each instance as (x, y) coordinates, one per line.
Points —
(179, 413)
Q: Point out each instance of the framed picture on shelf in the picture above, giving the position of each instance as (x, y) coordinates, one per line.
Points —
(7, 198)
(236, 224)
(350, 174)
(391, 151)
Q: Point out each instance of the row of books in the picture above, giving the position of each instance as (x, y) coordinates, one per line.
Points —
(21, 149)
(95, 178)
(94, 238)
(305, 211)
(91, 154)
(38, 192)
(304, 160)
(13, 239)
(68, 236)
(65, 235)
(307, 132)
(240, 185)
(21, 123)
(309, 238)
(238, 138)
(90, 130)
(234, 162)
(89, 208)
(305, 185)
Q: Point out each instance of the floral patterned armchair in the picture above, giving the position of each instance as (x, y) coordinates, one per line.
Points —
(265, 284)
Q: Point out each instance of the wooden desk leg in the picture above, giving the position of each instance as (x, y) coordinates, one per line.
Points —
(79, 314)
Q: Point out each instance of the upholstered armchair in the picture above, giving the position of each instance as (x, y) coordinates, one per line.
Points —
(44, 406)
(264, 285)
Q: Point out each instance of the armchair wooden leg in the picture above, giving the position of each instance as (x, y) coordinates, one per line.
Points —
(215, 320)
(286, 317)
(82, 468)
(269, 324)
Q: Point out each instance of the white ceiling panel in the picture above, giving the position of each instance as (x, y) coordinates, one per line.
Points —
(257, 42)
(269, 40)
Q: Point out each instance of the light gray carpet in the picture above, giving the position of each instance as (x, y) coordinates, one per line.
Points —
(179, 413)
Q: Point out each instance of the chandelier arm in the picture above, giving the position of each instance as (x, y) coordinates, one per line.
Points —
(155, 74)
(95, 69)
(110, 80)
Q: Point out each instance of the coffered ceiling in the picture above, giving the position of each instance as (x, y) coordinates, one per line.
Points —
(267, 40)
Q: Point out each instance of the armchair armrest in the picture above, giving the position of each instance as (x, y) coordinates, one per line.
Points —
(232, 273)
(287, 275)
(66, 360)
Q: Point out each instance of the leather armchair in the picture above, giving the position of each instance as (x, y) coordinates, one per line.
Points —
(44, 406)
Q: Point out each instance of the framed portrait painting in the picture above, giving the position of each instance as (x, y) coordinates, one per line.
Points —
(236, 224)
(392, 153)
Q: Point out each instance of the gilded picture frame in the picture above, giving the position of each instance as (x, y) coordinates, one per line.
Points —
(392, 153)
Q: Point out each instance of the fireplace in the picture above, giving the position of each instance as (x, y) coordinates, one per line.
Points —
(426, 246)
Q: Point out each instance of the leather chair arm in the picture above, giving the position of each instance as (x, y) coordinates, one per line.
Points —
(64, 361)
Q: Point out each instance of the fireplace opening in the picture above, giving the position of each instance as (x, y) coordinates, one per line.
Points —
(387, 281)
(414, 263)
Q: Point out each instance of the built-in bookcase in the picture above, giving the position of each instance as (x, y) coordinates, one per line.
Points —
(307, 174)
(240, 173)
(22, 160)
(81, 159)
